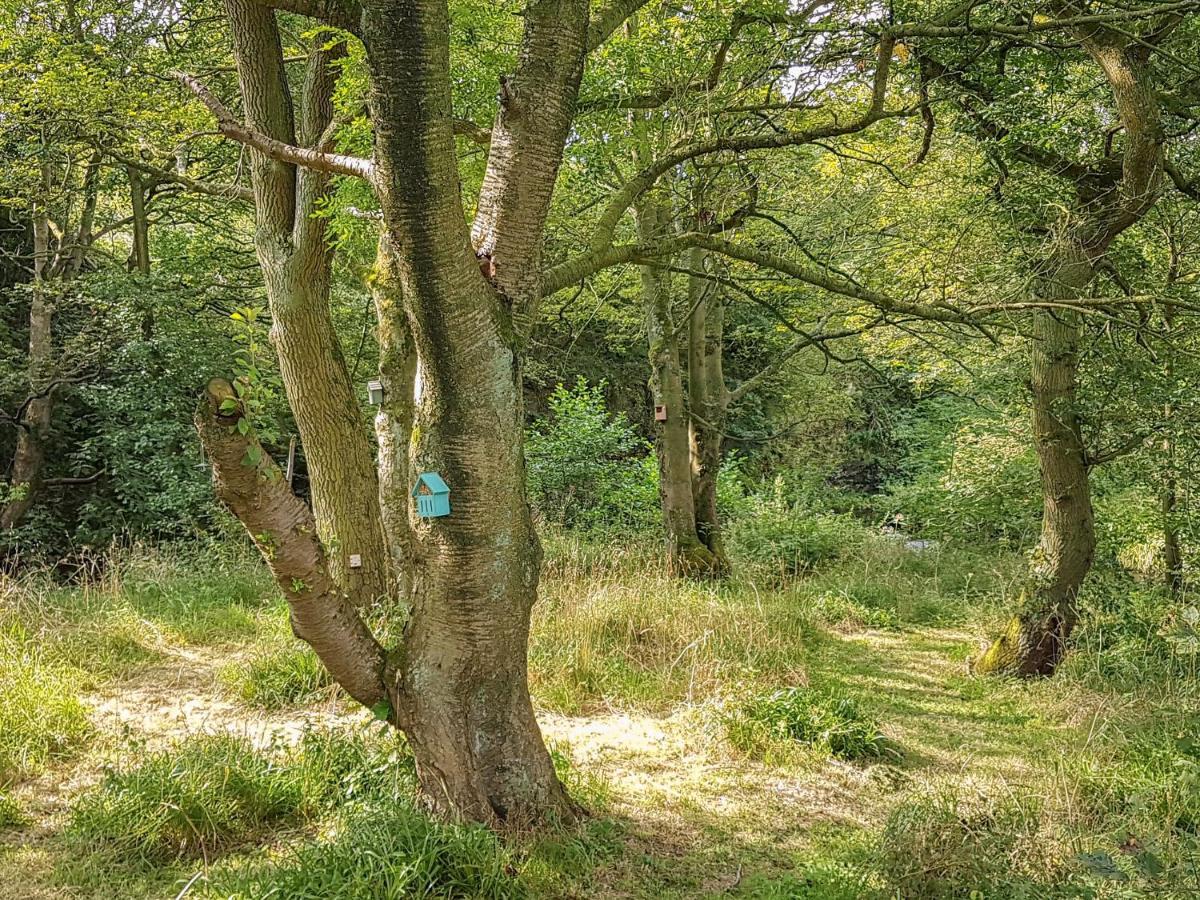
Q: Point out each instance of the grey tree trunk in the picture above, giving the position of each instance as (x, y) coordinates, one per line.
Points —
(291, 243)
(1035, 639)
(708, 404)
(687, 555)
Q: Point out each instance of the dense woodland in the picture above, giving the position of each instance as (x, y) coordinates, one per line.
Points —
(815, 388)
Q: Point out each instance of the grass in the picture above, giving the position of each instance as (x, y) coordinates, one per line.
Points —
(11, 813)
(193, 801)
(279, 677)
(832, 724)
(41, 718)
(737, 739)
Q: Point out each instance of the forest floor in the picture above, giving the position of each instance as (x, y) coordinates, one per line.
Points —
(1057, 787)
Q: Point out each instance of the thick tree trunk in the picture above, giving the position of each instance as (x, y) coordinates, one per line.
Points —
(291, 243)
(462, 682)
(687, 555)
(708, 402)
(1035, 639)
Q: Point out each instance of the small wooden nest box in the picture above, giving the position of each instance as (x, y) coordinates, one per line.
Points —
(375, 392)
(433, 496)
(660, 414)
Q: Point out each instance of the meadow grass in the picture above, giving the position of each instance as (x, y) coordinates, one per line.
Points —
(816, 736)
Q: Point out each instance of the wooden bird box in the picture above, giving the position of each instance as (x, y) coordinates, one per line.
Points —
(660, 414)
(375, 392)
(433, 496)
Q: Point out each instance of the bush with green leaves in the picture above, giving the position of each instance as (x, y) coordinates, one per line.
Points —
(782, 540)
(828, 722)
(587, 468)
(967, 473)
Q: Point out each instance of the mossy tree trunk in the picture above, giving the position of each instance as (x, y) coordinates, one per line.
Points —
(708, 402)
(1110, 198)
(687, 554)
(295, 258)
(1035, 639)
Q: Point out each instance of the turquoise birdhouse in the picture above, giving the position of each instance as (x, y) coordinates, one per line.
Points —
(433, 496)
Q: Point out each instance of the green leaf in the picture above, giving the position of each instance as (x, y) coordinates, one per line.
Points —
(382, 710)
(1102, 865)
(243, 426)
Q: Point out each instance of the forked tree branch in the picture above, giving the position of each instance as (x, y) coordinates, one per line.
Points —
(334, 163)
(644, 180)
(609, 19)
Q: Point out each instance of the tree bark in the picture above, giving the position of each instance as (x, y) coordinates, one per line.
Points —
(708, 404)
(462, 680)
(1035, 639)
(293, 253)
(25, 473)
(1108, 202)
(687, 555)
(284, 531)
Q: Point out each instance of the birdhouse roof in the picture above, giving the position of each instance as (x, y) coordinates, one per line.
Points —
(433, 481)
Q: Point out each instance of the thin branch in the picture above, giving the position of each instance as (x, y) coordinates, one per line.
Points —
(196, 185)
(334, 163)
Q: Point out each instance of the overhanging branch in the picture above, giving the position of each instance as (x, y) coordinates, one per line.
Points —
(334, 163)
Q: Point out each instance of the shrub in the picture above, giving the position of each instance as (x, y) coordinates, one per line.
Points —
(785, 541)
(390, 851)
(196, 799)
(955, 844)
(279, 678)
(833, 724)
(968, 474)
(587, 468)
(41, 718)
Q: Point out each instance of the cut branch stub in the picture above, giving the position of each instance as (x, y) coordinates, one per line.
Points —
(284, 531)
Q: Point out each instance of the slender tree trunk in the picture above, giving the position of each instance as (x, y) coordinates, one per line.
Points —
(687, 555)
(394, 420)
(1172, 552)
(708, 403)
(1035, 639)
(25, 474)
(291, 243)
(139, 260)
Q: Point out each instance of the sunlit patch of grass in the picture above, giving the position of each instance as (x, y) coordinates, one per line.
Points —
(42, 719)
(764, 725)
(276, 678)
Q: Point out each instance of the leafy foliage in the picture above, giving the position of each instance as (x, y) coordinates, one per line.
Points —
(829, 722)
(587, 468)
